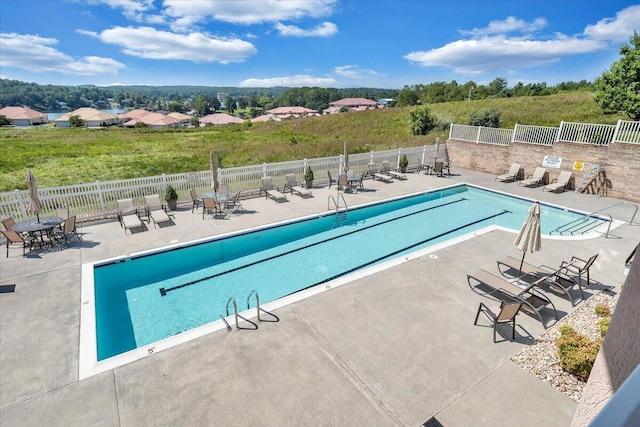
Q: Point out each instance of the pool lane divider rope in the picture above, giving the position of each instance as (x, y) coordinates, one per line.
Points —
(404, 249)
(164, 291)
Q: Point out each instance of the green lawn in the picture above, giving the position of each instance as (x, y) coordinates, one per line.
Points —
(63, 156)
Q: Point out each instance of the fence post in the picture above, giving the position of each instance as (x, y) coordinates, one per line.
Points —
(559, 132)
(478, 134)
(615, 133)
(450, 133)
(341, 163)
(305, 164)
(23, 210)
(100, 197)
(424, 152)
(264, 169)
(515, 129)
(399, 155)
(164, 183)
(371, 158)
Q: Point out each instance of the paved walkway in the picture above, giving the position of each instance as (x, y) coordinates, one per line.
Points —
(394, 348)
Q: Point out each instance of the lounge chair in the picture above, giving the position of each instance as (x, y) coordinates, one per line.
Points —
(393, 174)
(560, 183)
(332, 180)
(536, 179)
(13, 237)
(527, 295)
(68, 229)
(271, 191)
(295, 187)
(210, 206)
(530, 273)
(511, 174)
(128, 215)
(196, 201)
(156, 211)
(505, 313)
(373, 171)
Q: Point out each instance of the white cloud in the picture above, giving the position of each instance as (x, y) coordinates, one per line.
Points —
(149, 43)
(290, 81)
(488, 54)
(35, 53)
(326, 29)
(187, 13)
(509, 25)
(618, 29)
(352, 71)
(132, 9)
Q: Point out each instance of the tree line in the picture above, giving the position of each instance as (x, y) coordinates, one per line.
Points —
(615, 90)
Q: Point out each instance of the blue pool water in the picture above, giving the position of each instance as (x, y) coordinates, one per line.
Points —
(147, 298)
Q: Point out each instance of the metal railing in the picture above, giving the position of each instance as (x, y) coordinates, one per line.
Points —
(586, 133)
(539, 135)
(627, 132)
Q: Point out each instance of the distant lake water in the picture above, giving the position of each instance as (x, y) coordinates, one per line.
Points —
(115, 111)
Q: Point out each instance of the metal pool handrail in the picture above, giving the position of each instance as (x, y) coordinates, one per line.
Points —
(259, 309)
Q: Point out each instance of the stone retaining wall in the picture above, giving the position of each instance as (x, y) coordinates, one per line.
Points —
(621, 162)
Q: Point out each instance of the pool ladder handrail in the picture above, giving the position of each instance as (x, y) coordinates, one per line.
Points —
(592, 214)
(236, 315)
(341, 215)
(259, 309)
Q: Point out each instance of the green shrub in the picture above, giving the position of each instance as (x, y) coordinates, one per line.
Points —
(567, 330)
(602, 310)
(422, 121)
(489, 117)
(577, 352)
(603, 325)
(308, 176)
(171, 194)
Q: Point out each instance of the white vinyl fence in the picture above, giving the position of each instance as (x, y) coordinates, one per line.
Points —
(99, 199)
(627, 132)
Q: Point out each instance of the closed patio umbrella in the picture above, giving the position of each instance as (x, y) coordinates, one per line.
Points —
(34, 205)
(214, 171)
(529, 237)
(345, 166)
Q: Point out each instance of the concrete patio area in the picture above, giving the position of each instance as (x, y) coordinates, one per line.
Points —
(394, 348)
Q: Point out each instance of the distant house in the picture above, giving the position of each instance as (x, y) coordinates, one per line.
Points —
(184, 119)
(291, 112)
(92, 117)
(154, 120)
(352, 104)
(265, 118)
(133, 114)
(219, 119)
(23, 116)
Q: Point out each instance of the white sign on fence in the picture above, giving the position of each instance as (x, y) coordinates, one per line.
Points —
(552, 162)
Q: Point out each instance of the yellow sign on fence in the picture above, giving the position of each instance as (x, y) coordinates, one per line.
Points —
(578, 165)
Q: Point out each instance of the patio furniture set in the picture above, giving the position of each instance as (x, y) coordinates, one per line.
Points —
(41, 232)
(522, 286)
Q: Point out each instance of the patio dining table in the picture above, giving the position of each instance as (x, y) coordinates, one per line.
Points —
(218, 197)
(39, 228)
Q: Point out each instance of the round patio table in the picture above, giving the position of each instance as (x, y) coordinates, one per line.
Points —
(219, 197)
(39, 227)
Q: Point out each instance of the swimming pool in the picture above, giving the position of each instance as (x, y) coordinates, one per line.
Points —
(142, 299)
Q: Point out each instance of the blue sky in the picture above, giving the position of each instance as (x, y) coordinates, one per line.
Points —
(327, 43)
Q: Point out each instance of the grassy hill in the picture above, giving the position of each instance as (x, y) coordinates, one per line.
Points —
(59, 156)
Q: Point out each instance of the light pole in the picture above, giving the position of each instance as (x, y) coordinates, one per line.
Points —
(470, 89)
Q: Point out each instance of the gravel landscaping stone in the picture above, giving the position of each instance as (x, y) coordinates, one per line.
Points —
(541, 358)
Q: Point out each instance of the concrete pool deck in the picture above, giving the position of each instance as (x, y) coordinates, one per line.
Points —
(395, 348)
